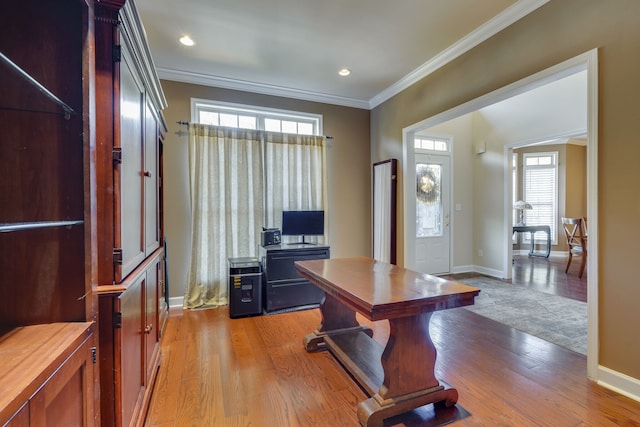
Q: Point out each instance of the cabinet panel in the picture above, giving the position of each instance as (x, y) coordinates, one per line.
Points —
(129, 179)
(42, 276)
(151, 318)
(129, 343)
(151, 213)
(41, 157)
(163, 305)
(20, 418)
(62, 400)
(129, 352)
(47, 375)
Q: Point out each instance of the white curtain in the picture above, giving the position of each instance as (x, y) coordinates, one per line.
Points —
(242, 180)
(295, 170)
(227, 207)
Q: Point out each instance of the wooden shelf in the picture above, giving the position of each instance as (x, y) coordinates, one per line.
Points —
(18, 226)
(31, 354)
(360, 355)
(68, 111)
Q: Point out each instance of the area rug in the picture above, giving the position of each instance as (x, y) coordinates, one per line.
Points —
(560, 320)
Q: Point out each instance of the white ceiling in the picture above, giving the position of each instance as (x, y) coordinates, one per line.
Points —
(294, 48)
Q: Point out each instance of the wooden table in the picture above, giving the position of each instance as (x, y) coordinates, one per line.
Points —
(399, 377)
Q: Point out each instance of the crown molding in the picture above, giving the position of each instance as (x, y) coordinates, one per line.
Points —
(226, 83)
(133, 30)
(498, 23)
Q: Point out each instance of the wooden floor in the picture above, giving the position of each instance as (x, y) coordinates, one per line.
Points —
(254, 372)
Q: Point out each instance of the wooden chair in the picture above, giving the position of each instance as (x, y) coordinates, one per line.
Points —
(575, 232)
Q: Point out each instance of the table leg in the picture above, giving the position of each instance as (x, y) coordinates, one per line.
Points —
(548, 243)
(408, 361)
(532, 237)
(336, 319)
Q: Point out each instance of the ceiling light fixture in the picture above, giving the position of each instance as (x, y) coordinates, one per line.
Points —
(344, 72)
(187, 41)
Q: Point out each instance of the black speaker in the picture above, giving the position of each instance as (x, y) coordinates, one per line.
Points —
(270, 236)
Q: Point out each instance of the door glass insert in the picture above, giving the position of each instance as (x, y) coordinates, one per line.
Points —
(429, 208)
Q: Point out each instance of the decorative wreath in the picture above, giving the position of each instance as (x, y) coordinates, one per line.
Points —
(427, 185)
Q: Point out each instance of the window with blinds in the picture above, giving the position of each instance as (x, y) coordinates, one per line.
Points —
(540, 188)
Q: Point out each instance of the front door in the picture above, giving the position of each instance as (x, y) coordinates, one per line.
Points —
(432, 213)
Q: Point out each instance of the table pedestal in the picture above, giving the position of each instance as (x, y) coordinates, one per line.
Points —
(399, 377)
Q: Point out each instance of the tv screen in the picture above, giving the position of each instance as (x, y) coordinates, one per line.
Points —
(302, 223)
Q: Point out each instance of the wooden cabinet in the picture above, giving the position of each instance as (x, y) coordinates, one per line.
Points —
(80, 212)
(47, 214)
(284, 288)
(47, 375)
(129, 137)
(130, 251)
(129, 343)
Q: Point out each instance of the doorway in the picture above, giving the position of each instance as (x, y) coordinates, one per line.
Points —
(498, 226)
(433, 213)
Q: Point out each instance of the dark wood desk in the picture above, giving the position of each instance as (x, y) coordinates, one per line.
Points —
(532, 230)
(401, 376)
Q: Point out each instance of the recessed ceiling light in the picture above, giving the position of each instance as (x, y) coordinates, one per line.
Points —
(187, 41)
(344, 72)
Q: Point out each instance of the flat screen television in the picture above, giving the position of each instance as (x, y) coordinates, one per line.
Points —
(302, 223)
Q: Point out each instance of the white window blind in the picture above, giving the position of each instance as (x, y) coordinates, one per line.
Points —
(541, 191)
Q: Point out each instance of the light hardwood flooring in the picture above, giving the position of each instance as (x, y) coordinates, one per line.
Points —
(218, 371)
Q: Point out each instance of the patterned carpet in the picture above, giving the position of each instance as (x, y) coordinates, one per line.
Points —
(556, 319)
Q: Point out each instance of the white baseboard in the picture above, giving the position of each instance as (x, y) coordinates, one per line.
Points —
(477, 269)
(463, 269)
(176, 302)
(619, 382)
(498, 274)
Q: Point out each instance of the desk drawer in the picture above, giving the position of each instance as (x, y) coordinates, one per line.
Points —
(279, 265)
(291, 293)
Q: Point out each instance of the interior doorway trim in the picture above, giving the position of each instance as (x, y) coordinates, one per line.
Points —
(586, 61)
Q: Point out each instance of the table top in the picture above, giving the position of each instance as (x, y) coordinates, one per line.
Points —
(378, 290)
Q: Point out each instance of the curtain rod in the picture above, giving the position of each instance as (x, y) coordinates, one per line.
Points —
(183, 123)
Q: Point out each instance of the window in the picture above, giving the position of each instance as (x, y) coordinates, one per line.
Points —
(431, 144)
(540, 179)
(249, 117)
(278, 171)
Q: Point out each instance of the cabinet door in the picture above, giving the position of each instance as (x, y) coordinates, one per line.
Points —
(151, 229)
(129, 177)
(20, 418)
(130, 354)
(163, 305)
(66, 397)
(151, 319)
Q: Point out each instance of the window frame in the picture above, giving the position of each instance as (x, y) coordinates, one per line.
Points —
(554, 202)
(261, 113)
